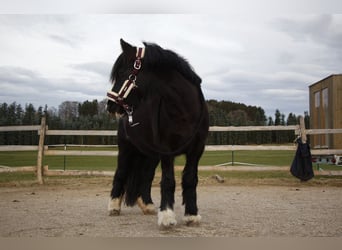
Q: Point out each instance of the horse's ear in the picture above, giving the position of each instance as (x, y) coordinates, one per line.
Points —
(127, 49)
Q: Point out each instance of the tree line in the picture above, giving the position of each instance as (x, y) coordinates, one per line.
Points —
(91, 115)
(226, 113)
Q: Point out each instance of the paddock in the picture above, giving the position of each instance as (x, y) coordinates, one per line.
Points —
(77, 206)
(68, 207)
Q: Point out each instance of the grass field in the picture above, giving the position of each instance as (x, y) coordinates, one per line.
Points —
(210, 158)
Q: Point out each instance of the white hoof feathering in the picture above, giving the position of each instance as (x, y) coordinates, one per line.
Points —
(114, 206)
(167, 218)
(146, 208)
(192, 219)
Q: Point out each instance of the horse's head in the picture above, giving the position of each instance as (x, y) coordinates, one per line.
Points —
(145, 78)
(124, 94)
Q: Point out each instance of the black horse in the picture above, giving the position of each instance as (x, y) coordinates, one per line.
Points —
(163, 114)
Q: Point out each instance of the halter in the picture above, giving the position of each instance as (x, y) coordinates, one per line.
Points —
(128, 86)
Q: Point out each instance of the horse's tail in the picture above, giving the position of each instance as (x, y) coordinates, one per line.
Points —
(140, 176)
(133, 182)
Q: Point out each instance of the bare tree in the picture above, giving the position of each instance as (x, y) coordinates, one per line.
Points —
(68, 110)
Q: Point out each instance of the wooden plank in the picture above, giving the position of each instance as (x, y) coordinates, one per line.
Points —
(326, 151)
(18, 169)
(82, 132)
(247, 147)
(252, 128)
(302, 129)
(18, 148)
(241, 168)
(114, 132)
(212, 129)
(323, 131)
(82, 146)
(77, 173)
(19, 128)
(41, 151)
(80, 153)
(328, 173)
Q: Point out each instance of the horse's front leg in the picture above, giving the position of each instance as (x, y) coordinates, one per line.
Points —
(166, 215)
(119, 180)
(189, 185)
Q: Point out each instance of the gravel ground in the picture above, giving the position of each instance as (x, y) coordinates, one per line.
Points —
(77, 207)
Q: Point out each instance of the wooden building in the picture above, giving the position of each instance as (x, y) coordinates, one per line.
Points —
(326, 111)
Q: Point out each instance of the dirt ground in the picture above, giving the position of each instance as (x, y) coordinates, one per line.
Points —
(78, 207)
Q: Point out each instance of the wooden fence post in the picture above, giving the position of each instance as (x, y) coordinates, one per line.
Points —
(41, 150)
(302, 129)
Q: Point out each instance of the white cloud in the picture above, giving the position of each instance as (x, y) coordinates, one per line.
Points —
(228, 7)
(262, 60)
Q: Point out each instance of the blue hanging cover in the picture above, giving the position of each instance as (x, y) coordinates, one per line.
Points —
(302, 165)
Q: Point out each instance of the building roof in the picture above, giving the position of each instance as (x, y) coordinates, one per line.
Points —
(339, 75)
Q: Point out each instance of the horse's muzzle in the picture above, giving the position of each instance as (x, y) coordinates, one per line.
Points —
(113, 108)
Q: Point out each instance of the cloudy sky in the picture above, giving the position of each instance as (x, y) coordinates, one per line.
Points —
(261, 58)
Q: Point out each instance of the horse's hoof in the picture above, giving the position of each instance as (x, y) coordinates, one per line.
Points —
(114, 212)
(147, 209)
(114, 206)
(167, 218)
(192, 220)
(150, 209)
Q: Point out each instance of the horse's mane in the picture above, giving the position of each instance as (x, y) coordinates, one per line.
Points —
(157, 57)
(114, 71)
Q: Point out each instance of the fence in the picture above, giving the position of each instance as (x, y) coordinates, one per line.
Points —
(43, 131)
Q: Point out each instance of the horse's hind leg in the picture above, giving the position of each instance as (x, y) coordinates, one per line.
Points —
(166, 215)
(189, 185)
(144, 201)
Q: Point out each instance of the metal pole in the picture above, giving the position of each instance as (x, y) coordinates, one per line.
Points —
(231, 140)
(232, 157)
(64, 156)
